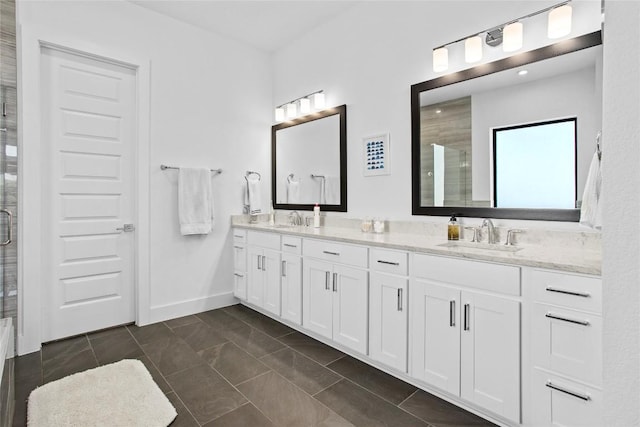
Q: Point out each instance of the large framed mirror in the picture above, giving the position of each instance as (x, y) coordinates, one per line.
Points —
(309, 161)
(510, 139)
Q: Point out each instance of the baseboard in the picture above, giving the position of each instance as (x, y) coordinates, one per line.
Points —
(160, 313)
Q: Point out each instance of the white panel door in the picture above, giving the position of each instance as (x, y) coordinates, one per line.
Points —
(292, 288)
(350, 304)
(89, 135)
(271, 295)
(317, 297)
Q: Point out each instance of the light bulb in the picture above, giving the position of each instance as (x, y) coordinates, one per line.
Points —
(292, 111)
(279, 114)
(440, 59)
(473, 49)
(318, 100)
(559, 23)
(305, 106)
(512, 37)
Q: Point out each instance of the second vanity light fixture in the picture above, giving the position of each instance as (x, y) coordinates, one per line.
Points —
(509, 34)
(301, 106)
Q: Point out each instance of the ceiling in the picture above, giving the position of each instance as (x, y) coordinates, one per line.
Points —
(263, 24)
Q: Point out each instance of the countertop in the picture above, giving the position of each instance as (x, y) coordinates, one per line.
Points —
(572, 258)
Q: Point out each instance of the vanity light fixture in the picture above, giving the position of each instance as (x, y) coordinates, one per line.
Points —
(292, 110)
(305, 106)
(300, 106)
(280, 114)
(318, 100)
(510, 35)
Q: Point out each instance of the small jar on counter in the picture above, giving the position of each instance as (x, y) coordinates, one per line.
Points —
(378, 225)
(366, 225)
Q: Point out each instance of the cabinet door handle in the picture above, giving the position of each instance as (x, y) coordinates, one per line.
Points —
(264, 263)
(466, 317)
(381, 261)
(400, 299)
(239, 237)
(326, 280)
(452, 313)
(563, 291)
(584, 397)
(259, 262)
(289, 245)
(565, 319)
(284, 268)
(335, 282)
(331, 253)
(238, 247)
(238, 275)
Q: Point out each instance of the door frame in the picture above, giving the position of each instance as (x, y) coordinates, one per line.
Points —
(30, 195)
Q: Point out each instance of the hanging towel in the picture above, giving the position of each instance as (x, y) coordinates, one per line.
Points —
(332, 190)
(323, 190)
(591, 209)
(293, 191)
(195, 204)
(252, 196)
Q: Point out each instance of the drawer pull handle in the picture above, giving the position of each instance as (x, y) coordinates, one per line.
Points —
(289, 245)
(326, 280)
(331, 253)
(466, 317)
(284, 268)
(562, 291)
(259, 262)
(584, 397)
(264, 263)
(238, 247)
(388, 262)
(238, 275)
(400, 299)
(564, 319)
(335, 282)
(239, 237)
(452, 313)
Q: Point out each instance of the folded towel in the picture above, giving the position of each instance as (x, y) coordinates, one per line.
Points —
(332, 190)
(195, 204)
(293, 191)
(591, 209)
(252, 195)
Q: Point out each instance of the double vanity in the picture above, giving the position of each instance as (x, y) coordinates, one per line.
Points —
(512, 335)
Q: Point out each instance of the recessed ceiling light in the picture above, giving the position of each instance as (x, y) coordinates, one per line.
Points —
(522, 72)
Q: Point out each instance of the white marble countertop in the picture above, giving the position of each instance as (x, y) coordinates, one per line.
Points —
(570, 258)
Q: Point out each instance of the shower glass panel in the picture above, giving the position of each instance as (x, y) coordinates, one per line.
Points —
(449, 183)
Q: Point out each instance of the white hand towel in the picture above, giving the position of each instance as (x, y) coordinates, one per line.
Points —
(253, 197)
(591, 209)
(332, 190)
(195, 204)
(293, 192)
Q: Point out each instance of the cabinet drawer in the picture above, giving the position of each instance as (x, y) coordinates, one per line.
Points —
(239, 257)
(292, 245)
(387, 261)
(240, 285)
(336, 252)
(577, 292)
(239, 236)
(504, 279)
(561, 402)
(568, 342)
(265, 240)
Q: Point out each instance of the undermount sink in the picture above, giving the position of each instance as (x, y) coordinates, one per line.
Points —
(481, 246)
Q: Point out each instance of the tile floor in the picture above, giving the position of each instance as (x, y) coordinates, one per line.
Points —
(236, 367)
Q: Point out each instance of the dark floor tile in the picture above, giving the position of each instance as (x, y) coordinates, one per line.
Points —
(63, 365)
(64, 348)
(28, 366)
(440, 413)
(150, 333)
(200, 335)
(300, 370)
(155, 374)
(253, 341)
(363, 408)
(287, 405)
(205, 393)
(184, 418)
(259, 321)
(181, 321)
(321, 353)
(118, 344)
(374, 380)
(171, 355)
(220, 320)
(233, 363)
(28, 376)
(245, 416)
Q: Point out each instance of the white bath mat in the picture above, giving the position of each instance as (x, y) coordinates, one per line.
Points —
(120, 394)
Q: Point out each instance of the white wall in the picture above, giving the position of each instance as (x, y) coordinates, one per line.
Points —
(210, 107)
(621, 214)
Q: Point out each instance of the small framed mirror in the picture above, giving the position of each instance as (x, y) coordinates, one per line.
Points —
(309, 161)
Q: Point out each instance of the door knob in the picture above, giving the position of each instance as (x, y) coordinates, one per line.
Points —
(127, 228)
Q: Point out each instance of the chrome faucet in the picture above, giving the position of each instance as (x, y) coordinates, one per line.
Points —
(491, 233)
(295, 218)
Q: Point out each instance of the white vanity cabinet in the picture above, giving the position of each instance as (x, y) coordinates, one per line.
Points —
(566, 348)
(388, 307)
(291, 280)
(240, 263)
(263, 273)
(465, 318)
(335, 293)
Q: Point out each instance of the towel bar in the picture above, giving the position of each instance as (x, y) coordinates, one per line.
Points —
(163, 167)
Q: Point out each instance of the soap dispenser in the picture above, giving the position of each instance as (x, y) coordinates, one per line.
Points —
(316, 216)
(453, 229)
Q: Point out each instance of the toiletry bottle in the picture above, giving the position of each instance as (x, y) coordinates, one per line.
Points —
(316, 216)
(453, 229)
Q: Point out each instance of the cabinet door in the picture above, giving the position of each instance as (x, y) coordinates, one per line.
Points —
(271, 285)
(350, 300)
(255, 275)
(490, 353)
(388, 320)
(317, 297)
(291, 288)
(435, 317)
(240, 285)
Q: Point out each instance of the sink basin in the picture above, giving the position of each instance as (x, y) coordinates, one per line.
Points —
(480, 246)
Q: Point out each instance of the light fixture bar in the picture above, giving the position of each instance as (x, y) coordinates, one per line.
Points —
(298, 99)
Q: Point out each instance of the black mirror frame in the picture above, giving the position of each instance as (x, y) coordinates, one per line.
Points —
(557, 49)
(342, 207)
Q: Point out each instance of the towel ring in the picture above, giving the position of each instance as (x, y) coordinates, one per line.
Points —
(317, 176)
(253, 173)
(290, 178)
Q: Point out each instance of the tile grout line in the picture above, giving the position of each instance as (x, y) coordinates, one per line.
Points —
(93, 351)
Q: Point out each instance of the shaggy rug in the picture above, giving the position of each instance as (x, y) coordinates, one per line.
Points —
(119, 394)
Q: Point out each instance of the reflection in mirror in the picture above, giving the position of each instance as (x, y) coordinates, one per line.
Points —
(454, 124)
(309, 162)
